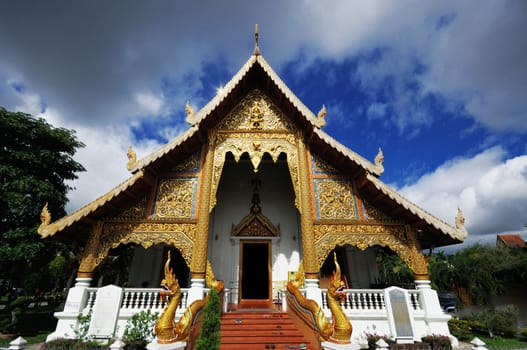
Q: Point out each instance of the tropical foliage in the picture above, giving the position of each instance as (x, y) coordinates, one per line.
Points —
(209, 337)
(475, 273)
(36, 161)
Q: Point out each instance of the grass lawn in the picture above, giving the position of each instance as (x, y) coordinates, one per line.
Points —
(503, 343)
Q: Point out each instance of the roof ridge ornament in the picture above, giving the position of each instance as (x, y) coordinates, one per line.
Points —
(190, 114)
(256, 51)
(379, 159)
(132, 158)
(45, 219)
(460, 222)
(321, 115)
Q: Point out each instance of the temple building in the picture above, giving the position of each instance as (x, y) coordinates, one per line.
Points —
(255, 186)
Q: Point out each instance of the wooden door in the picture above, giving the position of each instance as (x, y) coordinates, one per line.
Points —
(255, 274)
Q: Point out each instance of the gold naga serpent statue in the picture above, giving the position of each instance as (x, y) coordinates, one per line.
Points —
(339, 330)
(166, 329)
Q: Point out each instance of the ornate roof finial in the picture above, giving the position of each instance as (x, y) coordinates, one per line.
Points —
(190, 113)
(460, 219)
(256, 51)
(379, 159)
(460, 222)
(321, 116)
(45, 218)
(132, 158)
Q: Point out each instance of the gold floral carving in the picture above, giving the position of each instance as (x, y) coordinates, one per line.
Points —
(199, 252)
(255, 145)
(175, 198)
(189, 165)
(373, 214)
(89, 259)
(136, 211)
(147, 234)
(306, 219)
(335, 200)
(321, 167)
(256, 112)
(416, 257)
(399, 238)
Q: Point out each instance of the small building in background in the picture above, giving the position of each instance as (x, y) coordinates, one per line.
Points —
(510, 240)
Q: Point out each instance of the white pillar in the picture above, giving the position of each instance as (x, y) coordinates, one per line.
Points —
(196, 291)
(478, 344)
(313, 290)
(75, 303)
(179, 345)
(18, 344)
(436, 318)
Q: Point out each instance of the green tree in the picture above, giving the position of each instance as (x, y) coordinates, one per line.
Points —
(483, 271)
(209, 337)
(36, 160)
(393, 271)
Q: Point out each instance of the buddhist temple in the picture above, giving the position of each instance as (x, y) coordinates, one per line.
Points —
(257, 190)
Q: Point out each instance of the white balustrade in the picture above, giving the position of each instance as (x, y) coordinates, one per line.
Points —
(364, 300)
(139, 299)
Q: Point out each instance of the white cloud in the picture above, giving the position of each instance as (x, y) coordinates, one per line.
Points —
(149, 103)
(490, 190)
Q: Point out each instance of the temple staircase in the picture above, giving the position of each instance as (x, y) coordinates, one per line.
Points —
(255, 329)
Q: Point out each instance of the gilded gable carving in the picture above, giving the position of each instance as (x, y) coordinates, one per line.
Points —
(322, 168)
(136, 211)
(175, 198)
(374, 214)
(335, 200)
(189, 165)
(256, 112)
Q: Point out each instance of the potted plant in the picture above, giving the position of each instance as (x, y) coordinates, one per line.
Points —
(139, 330)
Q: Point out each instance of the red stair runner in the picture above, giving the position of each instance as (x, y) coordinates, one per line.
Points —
(260, 330)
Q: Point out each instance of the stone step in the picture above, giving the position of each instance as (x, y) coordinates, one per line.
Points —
(260, 330)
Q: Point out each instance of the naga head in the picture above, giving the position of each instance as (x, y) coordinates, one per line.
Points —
(336, 286)
(170, 283)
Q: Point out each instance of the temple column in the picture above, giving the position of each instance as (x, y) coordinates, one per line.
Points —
(76, 299)
(199, 253)
(436, 320)
(306, 222)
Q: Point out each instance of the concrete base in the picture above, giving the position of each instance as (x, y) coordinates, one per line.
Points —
(180, 345)
(333, 346)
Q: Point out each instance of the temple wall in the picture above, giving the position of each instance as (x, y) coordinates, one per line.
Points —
(146, 267)
(362, 267)
(233, 203)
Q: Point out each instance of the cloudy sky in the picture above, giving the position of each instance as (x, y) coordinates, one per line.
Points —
(440, 86)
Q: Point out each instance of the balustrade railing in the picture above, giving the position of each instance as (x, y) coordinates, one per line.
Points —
(368, 300)
(138, 299)
(355, 300)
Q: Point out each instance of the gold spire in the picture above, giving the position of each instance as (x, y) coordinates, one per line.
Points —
(256, 51)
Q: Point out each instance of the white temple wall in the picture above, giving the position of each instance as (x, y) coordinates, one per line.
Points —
(147, 267)
(234, 200)
(362, 267)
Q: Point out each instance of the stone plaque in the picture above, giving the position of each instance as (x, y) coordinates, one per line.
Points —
(399, 314)
(105, 311)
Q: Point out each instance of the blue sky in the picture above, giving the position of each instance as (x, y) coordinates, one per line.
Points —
(439, 86)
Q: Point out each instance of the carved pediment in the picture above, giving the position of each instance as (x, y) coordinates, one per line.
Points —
(256, 112)
(255, 225)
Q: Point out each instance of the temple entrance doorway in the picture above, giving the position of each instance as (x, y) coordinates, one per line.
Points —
(255, 274)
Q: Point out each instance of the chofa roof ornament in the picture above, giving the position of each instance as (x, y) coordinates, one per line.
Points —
(190, 114)
(45, 218)
(132, 158)
(460, 223)
(379, 159)
(321, 117)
